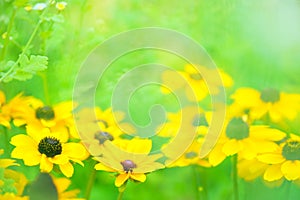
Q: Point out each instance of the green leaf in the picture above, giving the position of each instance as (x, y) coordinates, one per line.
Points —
(7, 184)
(26, 67)
(43, 188)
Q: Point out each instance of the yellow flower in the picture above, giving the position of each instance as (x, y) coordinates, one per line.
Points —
(96, 126)
(130, 163)
(62, 185)
(38, 116)
(277, 105)
(47, 149)
(284, 162)
(244, 140)
(196, 85)
(61, 5)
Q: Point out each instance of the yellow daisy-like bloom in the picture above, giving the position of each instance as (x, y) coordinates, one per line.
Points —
(47, 149)
(62, 185)
(284, 162)
(38, 116)
(191, 155)
(96, 126)
(132, 163)
(244, 140)
(61, 5)
(196, 82)
(277, 105)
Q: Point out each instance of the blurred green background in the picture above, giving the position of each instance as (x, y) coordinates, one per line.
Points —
(256, 42)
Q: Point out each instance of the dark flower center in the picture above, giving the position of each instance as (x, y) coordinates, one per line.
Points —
(103, 136)
(270, 95)
(50, 146)
(291, 150)
(196, 76)
(46, 113)
(191, 155)
(200, 120)
(237, 129)
(128, 165)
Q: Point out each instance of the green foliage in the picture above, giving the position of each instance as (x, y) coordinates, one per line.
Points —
(7, 184)
(24, 69)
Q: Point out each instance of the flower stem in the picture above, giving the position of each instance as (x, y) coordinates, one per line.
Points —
(26, 46)
(121, 191)
(90, 184)
(235, 177)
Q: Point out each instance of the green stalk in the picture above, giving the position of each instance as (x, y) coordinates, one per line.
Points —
(26, 46)
(235, 177)
(90, 184)
(9, 27)
(121, 191)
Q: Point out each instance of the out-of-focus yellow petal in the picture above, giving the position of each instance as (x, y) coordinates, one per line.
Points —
(271, 158)
(102, 167)
(291, 169)
(232, 147)
(273, 173)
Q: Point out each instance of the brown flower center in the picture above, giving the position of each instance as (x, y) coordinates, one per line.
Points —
(50, 146)
(196, 76)
(270, 95)
(46, 113)
(237, 129)
(128, 165)
(291, 150)
(103, 136)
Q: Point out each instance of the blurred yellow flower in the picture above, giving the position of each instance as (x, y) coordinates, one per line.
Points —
(47, 149)
(130, 163)
(284, 162)
(61, 5)
(244, 140)
(5, 162)
(196, 86)
(269, 102)
(62, 185)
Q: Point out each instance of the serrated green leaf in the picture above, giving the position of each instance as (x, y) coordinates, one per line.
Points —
(26, 68)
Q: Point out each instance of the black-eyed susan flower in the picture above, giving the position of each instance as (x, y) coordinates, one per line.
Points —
(36, 115)
(284, 162)
(251, 169)
(131, 161)
(196, 86)
(46, 149)
(245, 140)
(268, 102)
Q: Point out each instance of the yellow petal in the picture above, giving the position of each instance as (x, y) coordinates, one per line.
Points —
(138, 177)
(137, 145)
(271, 158)
(46, 165)
(102, 167)
(216, 156)
(67, 169)
(232, 147)
(74, 150)
(22, 140)
(121, 178)
(291, 169)
(273, 173)
(59, 159)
